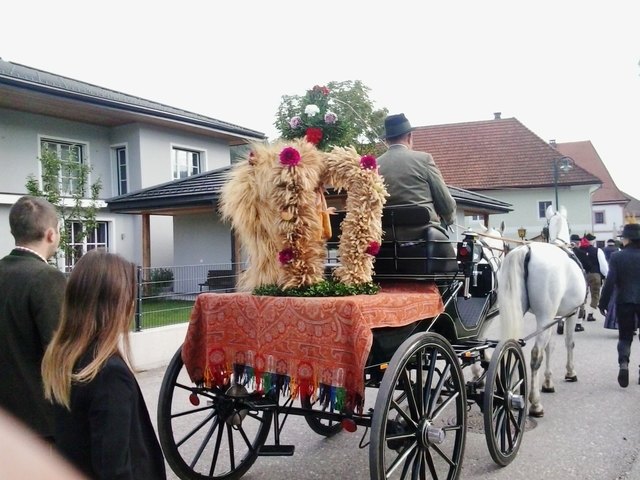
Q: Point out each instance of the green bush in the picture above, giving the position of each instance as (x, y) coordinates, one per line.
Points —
(161, 280)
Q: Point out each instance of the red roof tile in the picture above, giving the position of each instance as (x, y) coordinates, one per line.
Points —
(494, 154)
(585, 155)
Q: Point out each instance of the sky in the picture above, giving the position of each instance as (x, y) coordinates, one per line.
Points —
(568, 70)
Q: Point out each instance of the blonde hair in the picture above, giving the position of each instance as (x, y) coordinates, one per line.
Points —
(96, 312)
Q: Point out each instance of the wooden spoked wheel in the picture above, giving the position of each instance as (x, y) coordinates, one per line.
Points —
(505, 402)
(204, 433)
(419, 420)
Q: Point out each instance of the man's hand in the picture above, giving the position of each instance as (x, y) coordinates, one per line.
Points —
(603, 311)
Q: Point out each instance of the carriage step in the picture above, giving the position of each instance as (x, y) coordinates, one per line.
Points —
(276, 450)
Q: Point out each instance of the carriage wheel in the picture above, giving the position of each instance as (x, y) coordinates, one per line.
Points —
(205, 433)
(326, 428)
(505, 401)
(420, 421)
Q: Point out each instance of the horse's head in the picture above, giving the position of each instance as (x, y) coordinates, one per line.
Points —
(493, 247)
(558, 226)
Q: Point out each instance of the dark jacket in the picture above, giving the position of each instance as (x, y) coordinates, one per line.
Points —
(108, 433)
(31, 293)
(608, 250)
(624, 276)
(588, 257)
(412, 178)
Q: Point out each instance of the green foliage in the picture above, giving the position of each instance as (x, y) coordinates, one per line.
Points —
(359, 124)
(160, 280)
(325, 288)
(80, 204)
(161, 274)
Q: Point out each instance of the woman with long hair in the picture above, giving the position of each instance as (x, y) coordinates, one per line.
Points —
(102, 424)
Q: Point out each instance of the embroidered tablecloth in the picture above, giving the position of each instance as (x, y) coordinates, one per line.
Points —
(312, 346)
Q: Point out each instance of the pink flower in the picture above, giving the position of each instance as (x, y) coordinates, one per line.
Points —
(330, 118)
(286, 256)
(373, 248)
(289, 156)
(295, 122)
(368, 162)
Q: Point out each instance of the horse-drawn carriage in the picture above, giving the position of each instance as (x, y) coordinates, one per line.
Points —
(249, 362)
(217, 429)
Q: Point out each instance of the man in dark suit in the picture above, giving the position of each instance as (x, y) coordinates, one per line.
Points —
(412, 178)
(31, 293)
(623, 277)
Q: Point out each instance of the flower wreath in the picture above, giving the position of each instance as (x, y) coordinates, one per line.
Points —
(275, 202)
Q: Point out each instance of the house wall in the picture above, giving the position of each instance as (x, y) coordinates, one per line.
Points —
(20, 135)
(613, 218)
(576, 200)
(156, 144)
(149, 154)
(201, 239)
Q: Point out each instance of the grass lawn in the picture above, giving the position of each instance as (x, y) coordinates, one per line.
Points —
(158, 312)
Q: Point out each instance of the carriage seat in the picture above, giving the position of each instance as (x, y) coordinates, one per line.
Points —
(411, 246)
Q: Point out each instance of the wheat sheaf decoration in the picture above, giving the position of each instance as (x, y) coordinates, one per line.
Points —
(275, 203)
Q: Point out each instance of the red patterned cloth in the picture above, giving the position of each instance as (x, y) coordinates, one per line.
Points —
(309, 341)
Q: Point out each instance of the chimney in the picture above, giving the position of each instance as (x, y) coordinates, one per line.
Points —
(496, 115)
(552, 142)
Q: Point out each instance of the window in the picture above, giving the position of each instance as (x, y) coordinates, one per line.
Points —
(121, 170)
(185, 163)
(598, 218)
(71, 156)
(97, 238)
(542, 208)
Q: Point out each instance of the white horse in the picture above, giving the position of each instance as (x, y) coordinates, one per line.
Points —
(544, 279)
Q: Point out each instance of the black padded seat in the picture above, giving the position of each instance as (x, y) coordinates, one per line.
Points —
(411, 246)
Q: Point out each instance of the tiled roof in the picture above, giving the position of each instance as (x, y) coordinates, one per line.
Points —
(204, 190)
(494, 154)
(585, 155)
(196, 190)
(22, 76)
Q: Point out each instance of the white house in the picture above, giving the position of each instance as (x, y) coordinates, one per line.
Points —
(130, 143)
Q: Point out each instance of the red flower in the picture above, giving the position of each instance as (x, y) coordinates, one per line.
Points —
(314, 135)
(323, 90)
(285, 256)
(368, 162)
(373, 248)
(289, 156)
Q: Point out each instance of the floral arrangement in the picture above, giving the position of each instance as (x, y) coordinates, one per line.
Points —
(315, 121)
(276, 204)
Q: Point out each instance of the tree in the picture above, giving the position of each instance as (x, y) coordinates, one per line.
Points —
(358, 123)
(65, 184)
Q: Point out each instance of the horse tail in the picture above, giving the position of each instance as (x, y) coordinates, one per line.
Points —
(512, 292)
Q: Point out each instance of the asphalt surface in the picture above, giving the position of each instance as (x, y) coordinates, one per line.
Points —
(590, 429)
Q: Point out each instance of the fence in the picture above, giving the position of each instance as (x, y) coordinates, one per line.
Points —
(166, 294)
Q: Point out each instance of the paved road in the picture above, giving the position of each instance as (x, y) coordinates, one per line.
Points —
(591, 429)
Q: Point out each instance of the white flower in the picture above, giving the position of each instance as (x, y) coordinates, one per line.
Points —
(311, 110)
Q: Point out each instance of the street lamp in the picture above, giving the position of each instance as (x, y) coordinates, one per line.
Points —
(560, 165)
(522, 232)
